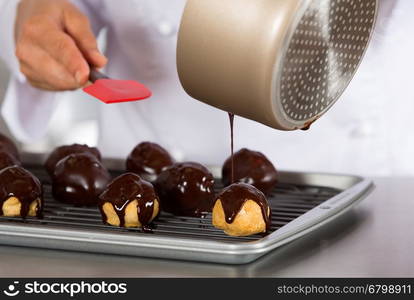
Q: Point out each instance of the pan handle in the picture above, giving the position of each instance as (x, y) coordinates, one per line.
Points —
(96, 75)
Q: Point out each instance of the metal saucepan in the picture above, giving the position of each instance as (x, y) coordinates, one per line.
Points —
(283, 63)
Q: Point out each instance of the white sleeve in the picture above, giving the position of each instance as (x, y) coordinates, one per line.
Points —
(27, 110)
(7, 18)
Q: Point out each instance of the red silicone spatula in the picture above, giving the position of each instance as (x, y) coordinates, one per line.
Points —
(115, 91)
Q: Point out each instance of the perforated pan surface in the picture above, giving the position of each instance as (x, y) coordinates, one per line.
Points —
(324, 53)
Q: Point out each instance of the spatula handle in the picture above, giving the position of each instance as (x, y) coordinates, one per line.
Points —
(96, 75)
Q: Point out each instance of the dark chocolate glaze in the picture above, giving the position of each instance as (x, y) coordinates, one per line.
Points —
(79, 179)
(7, 145)
(306, 128)
(233, 197)
(252, 168)
(20, 183)
(7, 160)
(124, 190)
(63, 151)
(186, 189)
(148, 160)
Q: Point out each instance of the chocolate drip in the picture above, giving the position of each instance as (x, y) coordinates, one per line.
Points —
(125, 189)
(8, 160)
(148, 160)
(308, 124)
(146, 204)
(186, 189)
(231, 117)
(236, 195)
(7, 145)
(64, 151)
(78, 179)
(252, 168)
(20, 183)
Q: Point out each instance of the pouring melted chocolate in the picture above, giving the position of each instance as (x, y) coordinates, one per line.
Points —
(231, 117)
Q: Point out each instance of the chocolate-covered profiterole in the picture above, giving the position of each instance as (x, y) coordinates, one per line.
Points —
(186, 189)
(148, 160)
(129, 201)
(250, 167)
(78, 179)
(7, 145)
(20, 193)
(63, 151)
(7, 160)
(241, 209)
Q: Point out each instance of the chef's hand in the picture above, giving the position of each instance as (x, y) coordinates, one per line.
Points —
(55, 44)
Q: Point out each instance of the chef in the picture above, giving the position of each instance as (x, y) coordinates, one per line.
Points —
(49, 44)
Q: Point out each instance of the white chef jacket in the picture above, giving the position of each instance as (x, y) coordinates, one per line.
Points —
(367, 132)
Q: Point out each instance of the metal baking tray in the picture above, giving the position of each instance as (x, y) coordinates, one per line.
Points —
(300, 203)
